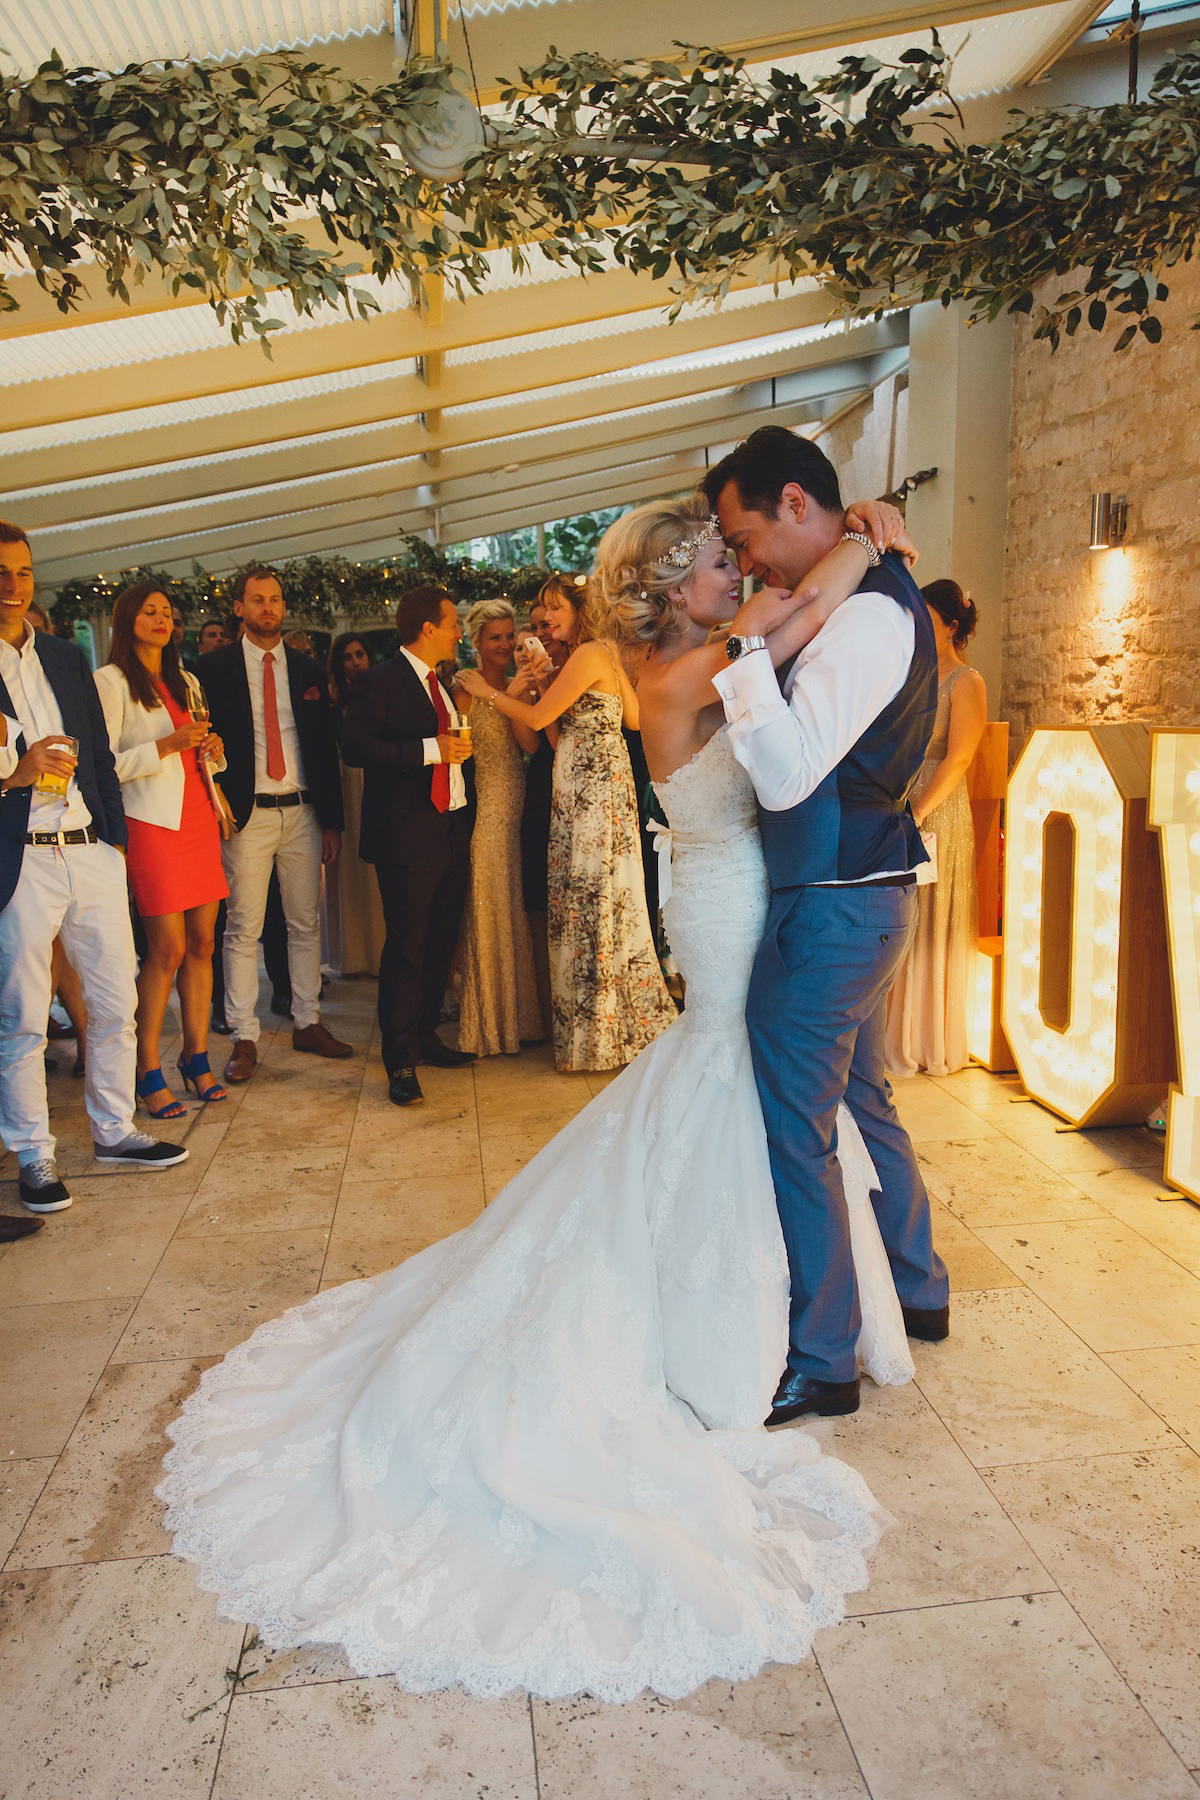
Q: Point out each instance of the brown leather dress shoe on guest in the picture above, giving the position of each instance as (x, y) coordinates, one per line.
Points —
(317, 1040)
(11, 1228)
(240, 1066)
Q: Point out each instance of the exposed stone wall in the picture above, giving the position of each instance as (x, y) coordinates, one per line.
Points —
(1105, 635)
(867, 443)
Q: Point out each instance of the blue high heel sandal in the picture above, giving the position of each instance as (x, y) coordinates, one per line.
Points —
(155, 1082)
(190, 1068)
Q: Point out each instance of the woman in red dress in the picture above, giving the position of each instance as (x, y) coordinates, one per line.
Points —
(158, 728)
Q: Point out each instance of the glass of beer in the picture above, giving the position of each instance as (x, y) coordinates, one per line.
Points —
(57, 784)
(460, 726)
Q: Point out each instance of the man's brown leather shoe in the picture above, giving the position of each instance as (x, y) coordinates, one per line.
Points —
(240, 1066)
(318, 1041)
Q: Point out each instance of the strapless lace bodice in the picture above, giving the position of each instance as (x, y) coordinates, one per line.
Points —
(709, 794)
(717, 887)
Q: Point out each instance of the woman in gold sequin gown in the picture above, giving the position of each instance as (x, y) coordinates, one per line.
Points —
(928, 1008)
(499, 996)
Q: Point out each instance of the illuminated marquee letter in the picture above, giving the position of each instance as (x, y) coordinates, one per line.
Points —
(1086, 1006)
(1175, 813)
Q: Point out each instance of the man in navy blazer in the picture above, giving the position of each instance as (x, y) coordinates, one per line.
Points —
(62, 871)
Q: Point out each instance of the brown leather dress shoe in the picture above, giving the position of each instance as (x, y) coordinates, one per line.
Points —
(317, 1040)
(240, 1066)
(11, 1228)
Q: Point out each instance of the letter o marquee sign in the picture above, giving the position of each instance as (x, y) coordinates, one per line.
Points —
(1085, 964)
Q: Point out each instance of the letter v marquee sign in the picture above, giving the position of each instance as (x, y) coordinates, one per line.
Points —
(1175, 815)
(1086, 983)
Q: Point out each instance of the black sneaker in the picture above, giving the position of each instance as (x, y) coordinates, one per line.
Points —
(140, 1151)
(40, 1189)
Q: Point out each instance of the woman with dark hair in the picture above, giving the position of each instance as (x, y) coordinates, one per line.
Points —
(928, 1009)
(609, 996)
(157, 720)
(354, 928)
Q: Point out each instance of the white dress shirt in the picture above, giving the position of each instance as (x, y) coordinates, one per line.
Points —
(38, 716)
(839, 684)
(293, 779)
(458, 781)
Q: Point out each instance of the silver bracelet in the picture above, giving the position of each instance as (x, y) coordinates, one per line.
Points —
(860, 537)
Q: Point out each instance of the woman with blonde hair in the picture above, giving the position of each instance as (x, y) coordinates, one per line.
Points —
(608, 992)
(499, 994)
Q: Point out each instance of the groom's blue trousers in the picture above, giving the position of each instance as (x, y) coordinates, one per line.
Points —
(816, 1013)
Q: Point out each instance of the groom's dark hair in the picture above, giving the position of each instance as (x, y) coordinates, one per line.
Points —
(763, 464)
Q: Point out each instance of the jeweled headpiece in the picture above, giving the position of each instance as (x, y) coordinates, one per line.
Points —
(684, 554)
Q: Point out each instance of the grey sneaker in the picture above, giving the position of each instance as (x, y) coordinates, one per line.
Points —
(140, 1151)
(40, 1189)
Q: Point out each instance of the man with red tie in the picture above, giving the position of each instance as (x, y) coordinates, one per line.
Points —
(418, 810)
(270, 704)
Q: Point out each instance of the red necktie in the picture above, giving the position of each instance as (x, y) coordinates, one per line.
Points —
(440, 793)
(276, 766)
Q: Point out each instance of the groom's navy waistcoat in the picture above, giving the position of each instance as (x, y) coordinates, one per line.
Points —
(857, 822)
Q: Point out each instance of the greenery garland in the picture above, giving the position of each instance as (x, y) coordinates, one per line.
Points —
(317, 590)
(237, 181)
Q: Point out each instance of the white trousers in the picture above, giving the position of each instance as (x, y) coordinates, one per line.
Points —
(79, 892)
(290, 838)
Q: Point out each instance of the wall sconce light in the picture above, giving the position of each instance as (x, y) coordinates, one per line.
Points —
(1109, 519)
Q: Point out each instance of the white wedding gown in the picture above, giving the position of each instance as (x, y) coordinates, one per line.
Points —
(532, 1456)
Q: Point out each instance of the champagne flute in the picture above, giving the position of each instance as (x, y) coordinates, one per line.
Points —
(198, 710)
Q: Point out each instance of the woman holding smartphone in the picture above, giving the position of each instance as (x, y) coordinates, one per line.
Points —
(158, 728)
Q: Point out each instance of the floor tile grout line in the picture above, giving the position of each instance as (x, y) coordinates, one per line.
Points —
(1041, 1462)
(337, 1201)
(537, 1777)
(837, 1712)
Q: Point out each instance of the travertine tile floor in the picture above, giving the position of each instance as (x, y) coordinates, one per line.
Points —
(1032, 1627)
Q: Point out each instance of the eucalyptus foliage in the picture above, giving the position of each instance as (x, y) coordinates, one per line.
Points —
(317, 590)
(237, 181)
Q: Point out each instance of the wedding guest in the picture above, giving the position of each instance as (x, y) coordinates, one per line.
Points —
(417, 814)
(609, 997)
(535, 814)
(64, 982)
(62, 831)
(499, 992)
(270, 706)
(929, 1005)
(178, 629)
(354, 927)
(300, 640)
(160, 739)
(213, 635)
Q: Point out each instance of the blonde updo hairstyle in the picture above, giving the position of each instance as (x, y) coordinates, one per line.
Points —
(629, 588)
(486, 612)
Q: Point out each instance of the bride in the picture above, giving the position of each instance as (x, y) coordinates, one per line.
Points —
(532, 1456)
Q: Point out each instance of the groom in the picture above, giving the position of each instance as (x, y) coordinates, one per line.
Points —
(833, 757)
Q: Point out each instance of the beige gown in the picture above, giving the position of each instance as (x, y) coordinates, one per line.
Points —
(928, 1017)
(354, 928)
(499, 993)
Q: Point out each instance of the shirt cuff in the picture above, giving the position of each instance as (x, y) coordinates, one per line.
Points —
(746, 683)
(433, 753)
(8, 753)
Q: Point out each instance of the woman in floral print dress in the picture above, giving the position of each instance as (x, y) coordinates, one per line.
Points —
(609, 996)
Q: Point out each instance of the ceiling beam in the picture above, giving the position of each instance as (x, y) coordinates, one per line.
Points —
(277, 422)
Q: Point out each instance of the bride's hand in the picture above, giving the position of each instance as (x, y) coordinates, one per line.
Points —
(765, 611)
(883, 523)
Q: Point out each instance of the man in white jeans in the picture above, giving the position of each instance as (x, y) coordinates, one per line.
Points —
(283, 782)
(62, 833)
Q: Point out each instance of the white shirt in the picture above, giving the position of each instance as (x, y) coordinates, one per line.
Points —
(293, 779)
(788, 742)
(458, 781)
(38, 716)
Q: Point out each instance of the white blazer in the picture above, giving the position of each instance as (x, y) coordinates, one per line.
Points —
(151, 785)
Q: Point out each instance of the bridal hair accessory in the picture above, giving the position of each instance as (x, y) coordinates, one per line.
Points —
(683, 555)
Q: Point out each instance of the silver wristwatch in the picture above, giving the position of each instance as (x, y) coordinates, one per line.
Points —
(742, 646)
(860, 537)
